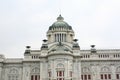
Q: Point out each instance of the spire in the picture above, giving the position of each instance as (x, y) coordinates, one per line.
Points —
(60, 18)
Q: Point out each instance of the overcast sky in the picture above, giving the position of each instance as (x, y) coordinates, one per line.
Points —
(25, 22)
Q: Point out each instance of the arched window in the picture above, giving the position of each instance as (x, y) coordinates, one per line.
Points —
(86, 74)
(105, 73)
(60, 71)
(35, 74)
(13, 74)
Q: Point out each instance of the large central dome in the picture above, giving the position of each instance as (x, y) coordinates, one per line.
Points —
(60, 24)
(60, 31)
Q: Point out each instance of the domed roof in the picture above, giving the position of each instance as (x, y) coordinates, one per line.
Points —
(60, 23)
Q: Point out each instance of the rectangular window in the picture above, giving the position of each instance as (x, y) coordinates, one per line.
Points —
(60, 78)
(60, 73)
(109, 75)
(82, 77)
(117, 76)
(85, 77)
(105, 76)
(35, 77)
(57, 73)
(101, 76)
(31, 77)
(89, 76)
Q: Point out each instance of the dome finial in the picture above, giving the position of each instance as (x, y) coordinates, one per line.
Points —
(60, 18)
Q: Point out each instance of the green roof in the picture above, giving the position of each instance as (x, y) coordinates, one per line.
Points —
(60, 23)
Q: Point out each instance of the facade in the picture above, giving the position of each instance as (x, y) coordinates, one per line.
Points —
(60, 58)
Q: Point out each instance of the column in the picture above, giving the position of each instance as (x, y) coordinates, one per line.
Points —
(113, 75)
(61, 37)
(65, 38)
(5, 76)
(43, 71)
(38, 77)
(26, 73)
(0, 72)
(79, 72)
(63, 73)
(54, 70)
(58, 37)
(98, 72)
(20, 76)
(52, 38)
(33, 77)
(67, 68)
(23, 71)
(46, 70)
(94, 72)
(75, 70)
(41, 68)
(55, 38)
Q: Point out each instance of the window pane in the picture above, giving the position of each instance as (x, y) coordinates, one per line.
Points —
(60, 73)
(60, 78)
(105, 76)
(57, 73)
(82, 77)
(85, 77)
(89, 76)
(117, 76)
(35, 77)
(109, 75)
(31, 77)
(101, 76)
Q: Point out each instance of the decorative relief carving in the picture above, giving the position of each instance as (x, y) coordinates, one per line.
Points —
(35, 70)
(105, 69)
(86, 70)
(118, 69)
(60, 65)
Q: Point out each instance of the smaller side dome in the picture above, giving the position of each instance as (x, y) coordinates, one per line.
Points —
(60, 24)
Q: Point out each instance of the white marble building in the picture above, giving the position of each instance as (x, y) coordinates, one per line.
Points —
(60, 58)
